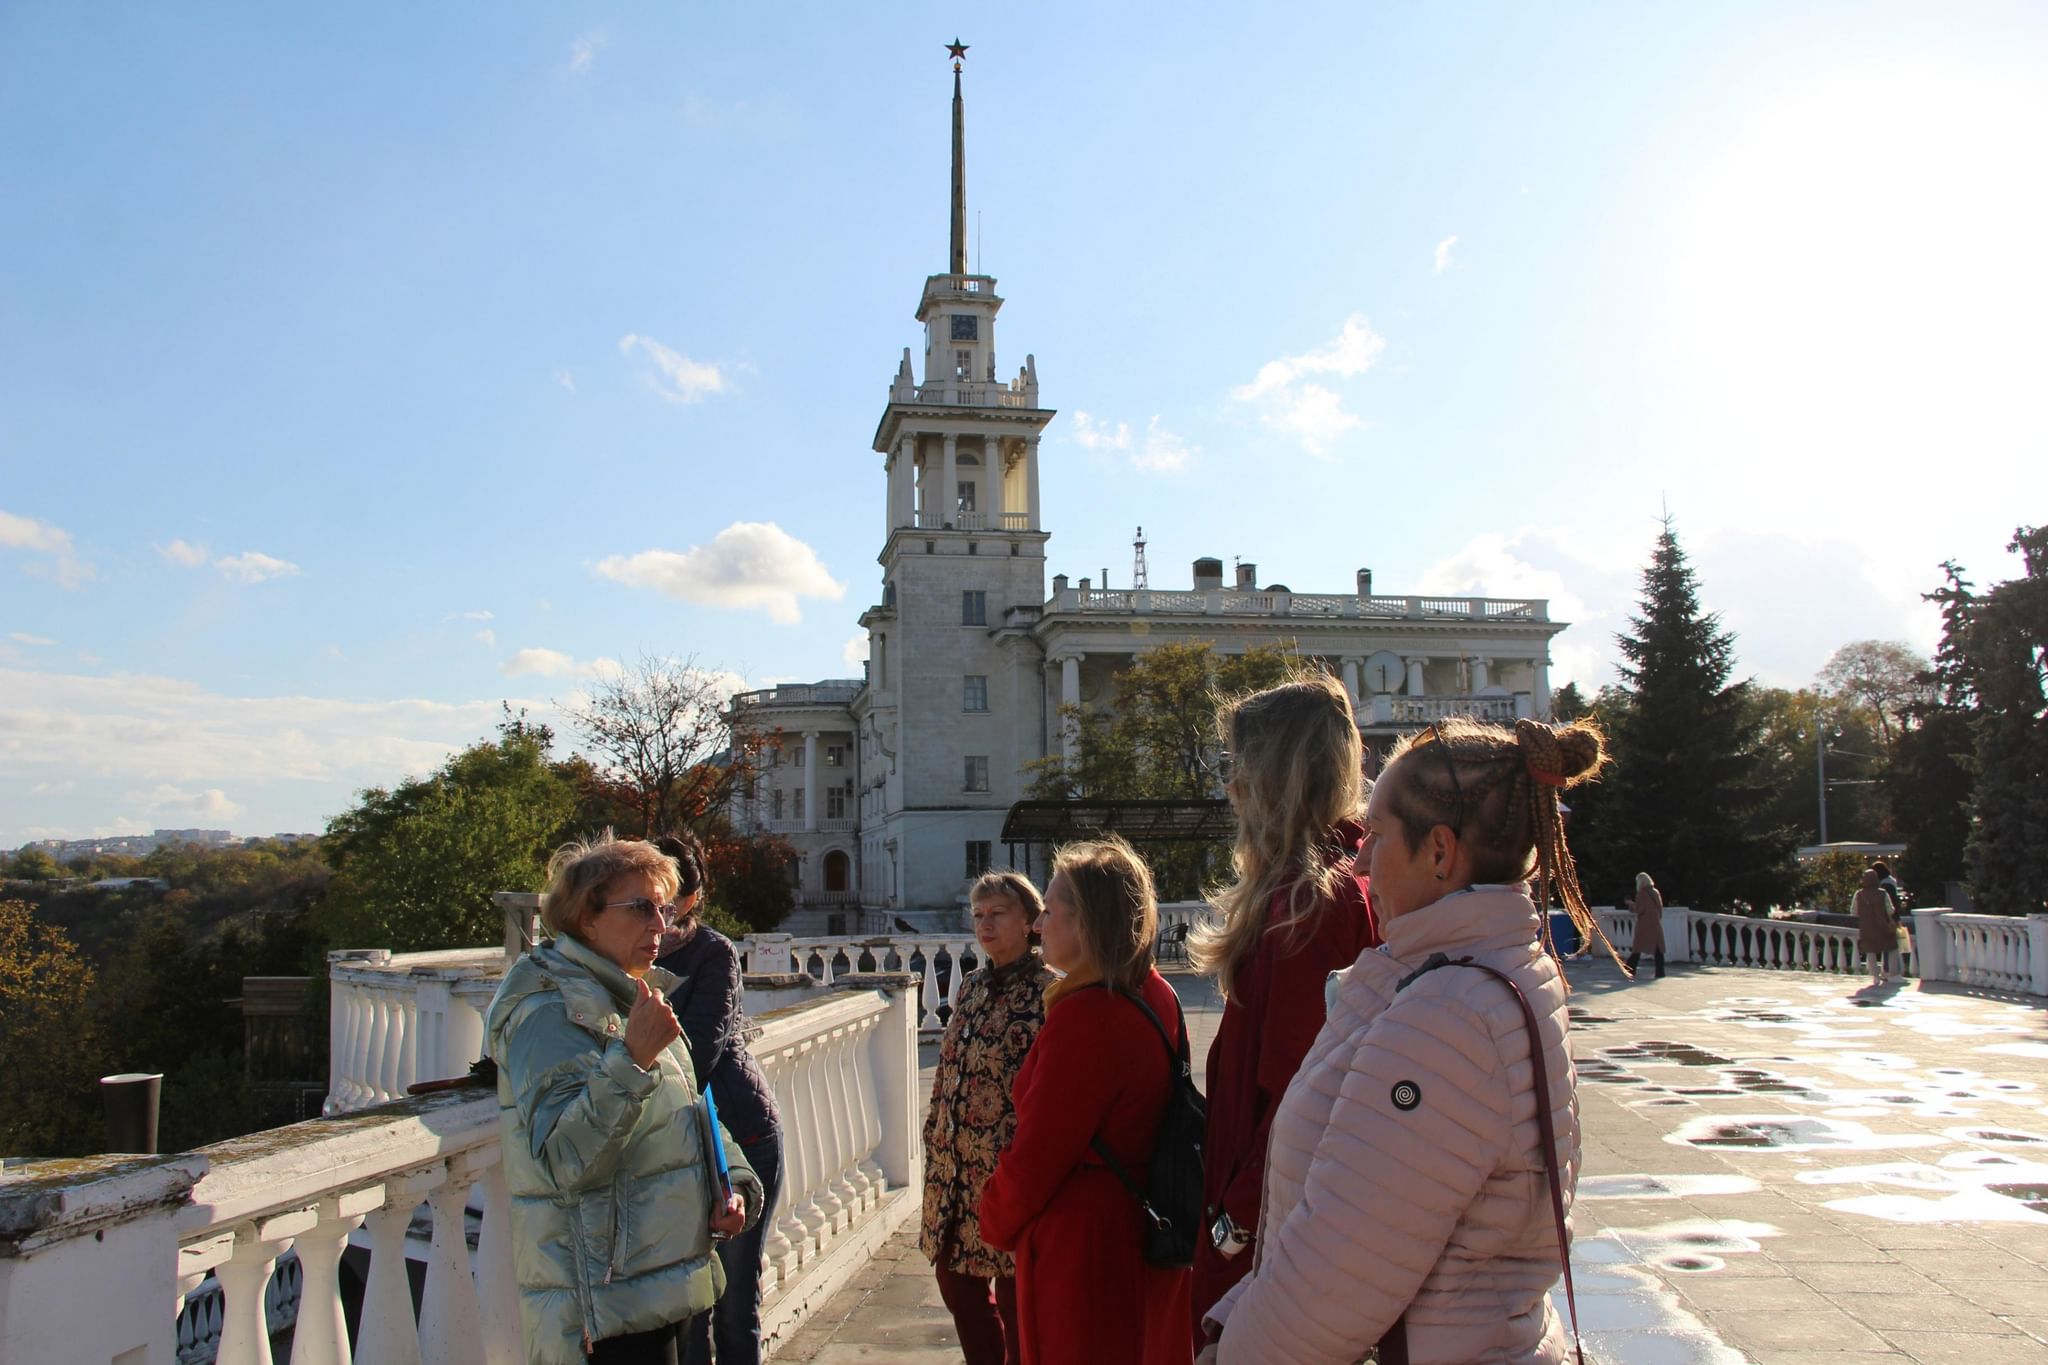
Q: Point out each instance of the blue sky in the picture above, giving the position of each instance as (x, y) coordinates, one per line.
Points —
(347, 357)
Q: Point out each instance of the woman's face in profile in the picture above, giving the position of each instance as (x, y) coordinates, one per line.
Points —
(1401, 878)
(1001, 928)
(1059, 927)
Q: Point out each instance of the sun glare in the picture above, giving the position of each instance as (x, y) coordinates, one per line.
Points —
(1859, 286)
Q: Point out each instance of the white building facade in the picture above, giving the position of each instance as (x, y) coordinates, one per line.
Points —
(970, 658)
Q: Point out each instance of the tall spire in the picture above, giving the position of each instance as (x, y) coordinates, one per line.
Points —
(959, 253)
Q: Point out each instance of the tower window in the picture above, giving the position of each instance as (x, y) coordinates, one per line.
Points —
(963, 364)
(976, 778)
(974, 692)
(973, 607)
(966, 494)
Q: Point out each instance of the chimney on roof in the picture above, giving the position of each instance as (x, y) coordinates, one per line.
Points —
(1365, 582)
(1208, 574)
(1247, 578)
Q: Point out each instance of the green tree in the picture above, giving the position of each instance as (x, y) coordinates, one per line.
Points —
(34, 865)
(1885, 677)
(50, 1038)
(1688, 799)
(415, 866)
(1157, 741)
(1788, 726)
(2001, 656)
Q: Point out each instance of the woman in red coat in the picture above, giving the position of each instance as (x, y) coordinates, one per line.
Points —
(1297, 912)
(1085, 1295)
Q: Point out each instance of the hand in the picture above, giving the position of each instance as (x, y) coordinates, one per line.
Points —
(730, 1221)
(650, 1027)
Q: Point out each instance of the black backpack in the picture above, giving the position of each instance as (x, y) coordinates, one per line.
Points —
(1171, 1197)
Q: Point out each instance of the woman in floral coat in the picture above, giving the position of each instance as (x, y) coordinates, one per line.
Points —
(970, 1122)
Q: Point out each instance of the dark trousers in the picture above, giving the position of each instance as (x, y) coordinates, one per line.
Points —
(1633, 958)
(637, 1348)
(730, 1331)
(984, 1313)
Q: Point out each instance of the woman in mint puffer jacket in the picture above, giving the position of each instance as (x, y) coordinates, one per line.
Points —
(612, 1214)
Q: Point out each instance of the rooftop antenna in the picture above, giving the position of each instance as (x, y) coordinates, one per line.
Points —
(1139, 578)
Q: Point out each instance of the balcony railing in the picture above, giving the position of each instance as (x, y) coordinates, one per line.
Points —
(215, 1223)
(1239, 602)
(1388, 709)
(834, 692)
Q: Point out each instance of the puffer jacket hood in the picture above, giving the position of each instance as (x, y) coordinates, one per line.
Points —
(1405, 1171)
(611, 1198)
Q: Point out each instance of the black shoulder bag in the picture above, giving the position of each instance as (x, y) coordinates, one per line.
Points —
(1171, 1197)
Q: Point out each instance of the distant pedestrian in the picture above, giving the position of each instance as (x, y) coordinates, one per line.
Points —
(1649, 936)
(1297, 912)
(1876, 933)
(1896, 895)
(971, 1119)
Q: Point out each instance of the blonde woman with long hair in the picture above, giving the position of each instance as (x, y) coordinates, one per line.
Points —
(1296, 912)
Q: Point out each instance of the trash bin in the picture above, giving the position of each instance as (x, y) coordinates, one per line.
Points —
(1564, 933)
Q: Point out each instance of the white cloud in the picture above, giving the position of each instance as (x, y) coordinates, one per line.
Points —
(253, 566)
(1163, 452)
(583, 52)
(680, 379)
(553, 663)
(41, 538)
(1443, 253)
(1093, 435)
(854, 652)
(1314, 413)
(1353, 351)
(750, 565)
(471, 616)
(183, 553)
(566, 380)
(487, 638)
(25, 638)
(166, 806)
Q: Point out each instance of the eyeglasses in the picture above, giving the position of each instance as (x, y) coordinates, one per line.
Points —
(646, 909)
(1457, 791)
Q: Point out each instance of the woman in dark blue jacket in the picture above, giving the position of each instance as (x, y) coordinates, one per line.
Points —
(706, 1000)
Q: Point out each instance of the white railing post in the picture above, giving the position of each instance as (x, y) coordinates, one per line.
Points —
(321, 1336)
(899, 1149)
(497, 1288)
(451, 1330)
(1677, 934)
(2037, 954)
(387, 1332)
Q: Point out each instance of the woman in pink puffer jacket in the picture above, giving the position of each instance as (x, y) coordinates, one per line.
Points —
(1406, 1193)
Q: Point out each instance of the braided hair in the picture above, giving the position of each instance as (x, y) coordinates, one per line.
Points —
(1498, 789)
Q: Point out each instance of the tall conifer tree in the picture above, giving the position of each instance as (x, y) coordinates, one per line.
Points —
(1687, 801)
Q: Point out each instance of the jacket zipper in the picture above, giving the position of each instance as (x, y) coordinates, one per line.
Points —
(611, 1259)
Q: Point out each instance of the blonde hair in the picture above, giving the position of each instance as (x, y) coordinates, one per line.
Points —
(1497, 789)
(1299, 771)
(1643, 882)
(580, 872)
(1119, 913)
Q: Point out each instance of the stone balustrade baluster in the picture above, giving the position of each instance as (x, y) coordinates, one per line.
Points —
(407, 1059)
(321, 1337)
(864, 1194)
(818, 1124)
(370, 1057)
(451, 1329)
(244, 1276)
(868, 1108)
(802, 1219)
(497, 1288)
(832, 1081)
(928, 995)
(387, 1333)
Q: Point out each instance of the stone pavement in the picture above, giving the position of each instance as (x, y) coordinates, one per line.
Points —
(1779, 1168)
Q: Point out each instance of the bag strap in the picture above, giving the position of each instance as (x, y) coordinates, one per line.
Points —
(1173, 1055)
(1397, 1337)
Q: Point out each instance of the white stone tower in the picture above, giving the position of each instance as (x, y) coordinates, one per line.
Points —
(955, 698)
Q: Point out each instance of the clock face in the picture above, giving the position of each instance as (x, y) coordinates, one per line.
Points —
(966, 327)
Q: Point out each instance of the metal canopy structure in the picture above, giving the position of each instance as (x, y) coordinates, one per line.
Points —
(1141, 822)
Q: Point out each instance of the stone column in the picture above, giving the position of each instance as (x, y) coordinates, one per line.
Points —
(1351, 679)
(1415, 664)
(1031, 480)
(810, 780)
(1542, 697)
(1070, 695)
(1479, 678)
(949, 484)
(903, 482)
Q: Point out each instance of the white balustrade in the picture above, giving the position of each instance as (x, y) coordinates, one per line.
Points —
(948, 959)
(1231, 602)
(226, 1237)
(1791, 945)
(1993, 951)
(396, 1019)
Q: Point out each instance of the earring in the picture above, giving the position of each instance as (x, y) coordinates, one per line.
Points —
(1439, 876)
